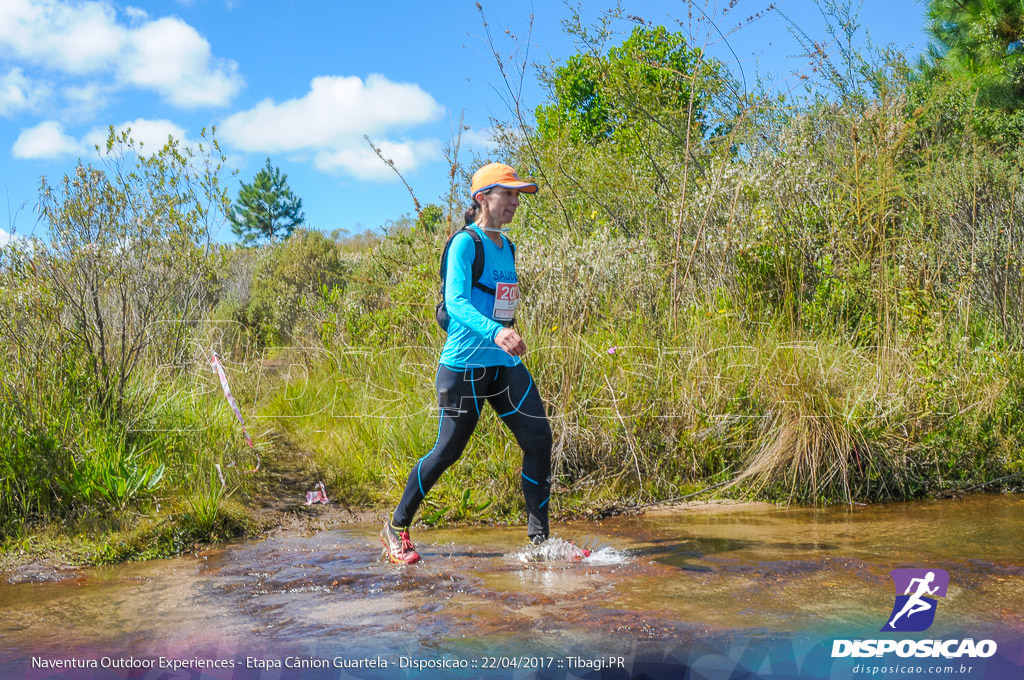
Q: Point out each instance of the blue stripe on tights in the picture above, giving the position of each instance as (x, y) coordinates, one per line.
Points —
(472, 383)
(530, 480)
(545, 502)
(520, 401)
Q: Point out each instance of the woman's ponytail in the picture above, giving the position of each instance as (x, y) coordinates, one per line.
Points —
(474, 208)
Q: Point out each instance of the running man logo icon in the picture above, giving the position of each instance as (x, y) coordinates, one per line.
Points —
(914, 610)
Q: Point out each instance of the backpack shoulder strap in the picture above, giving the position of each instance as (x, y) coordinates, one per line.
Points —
(478, 255)
(478, 260)
(444, 260)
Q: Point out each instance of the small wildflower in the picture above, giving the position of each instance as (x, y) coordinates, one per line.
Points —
(611, 350)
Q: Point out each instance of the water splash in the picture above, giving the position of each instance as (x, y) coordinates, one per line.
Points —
(607, 555)
(559, 550)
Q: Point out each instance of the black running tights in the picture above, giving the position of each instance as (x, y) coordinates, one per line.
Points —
(515, 398)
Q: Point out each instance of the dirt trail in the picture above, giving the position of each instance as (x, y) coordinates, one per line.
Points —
(280, 503)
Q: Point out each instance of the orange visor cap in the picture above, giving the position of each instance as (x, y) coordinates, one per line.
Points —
(498, 175)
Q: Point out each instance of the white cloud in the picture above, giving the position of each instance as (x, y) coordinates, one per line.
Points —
(20, 93)
(150, 134)
(165, 55)
(83, 101)
(173, 59)
(479, 140)
(49, 140)
(331, 119)
(362, 162)
(335, 109)
(136, 14)
(5, 238)
(46, 140)
(74, 39)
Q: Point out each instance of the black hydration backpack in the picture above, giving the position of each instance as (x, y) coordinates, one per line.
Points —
(440, 311)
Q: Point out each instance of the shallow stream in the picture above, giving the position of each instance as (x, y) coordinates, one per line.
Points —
(668, 580)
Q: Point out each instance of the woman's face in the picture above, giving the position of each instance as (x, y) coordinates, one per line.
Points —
(500, 204)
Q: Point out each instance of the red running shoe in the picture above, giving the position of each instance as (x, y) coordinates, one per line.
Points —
(398, 546)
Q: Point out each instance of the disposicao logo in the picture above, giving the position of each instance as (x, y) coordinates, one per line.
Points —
(914, 611)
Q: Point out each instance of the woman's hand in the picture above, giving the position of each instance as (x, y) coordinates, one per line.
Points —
(510, 341)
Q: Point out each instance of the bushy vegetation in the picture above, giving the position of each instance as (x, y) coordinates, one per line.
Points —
(813, 297)
(265, 293)
(105, 416)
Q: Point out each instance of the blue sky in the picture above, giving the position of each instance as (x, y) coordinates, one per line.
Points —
(302, 81)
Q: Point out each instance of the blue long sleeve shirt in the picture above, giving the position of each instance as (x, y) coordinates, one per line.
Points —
(474, 314)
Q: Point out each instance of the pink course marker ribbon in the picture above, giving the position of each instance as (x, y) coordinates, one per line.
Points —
(318, 495)
(219, 368)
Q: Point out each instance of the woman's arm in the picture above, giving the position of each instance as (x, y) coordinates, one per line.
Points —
(458, 287)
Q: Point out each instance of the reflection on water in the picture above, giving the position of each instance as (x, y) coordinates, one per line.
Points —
(681, 575)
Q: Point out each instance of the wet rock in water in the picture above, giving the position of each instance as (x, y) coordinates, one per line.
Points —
(39, 572)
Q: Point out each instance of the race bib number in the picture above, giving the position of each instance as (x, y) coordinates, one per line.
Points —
(506, 299)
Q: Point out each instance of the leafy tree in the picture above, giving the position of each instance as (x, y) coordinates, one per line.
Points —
(266, 207)
(982, 40)
(122, 278)
(430, 219)
(580, 109)
(651, 83)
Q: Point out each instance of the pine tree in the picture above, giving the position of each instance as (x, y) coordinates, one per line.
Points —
(982, 40)
(266, 207)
